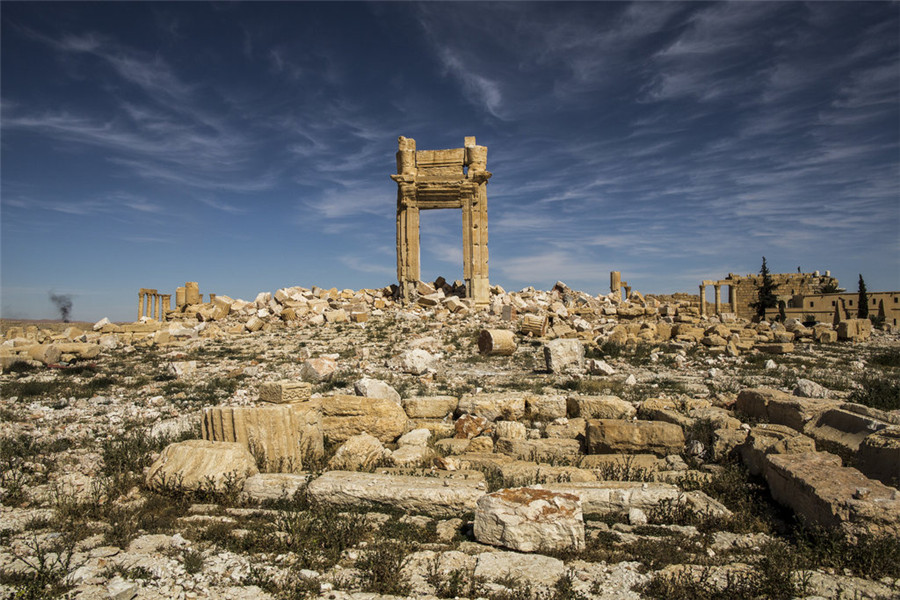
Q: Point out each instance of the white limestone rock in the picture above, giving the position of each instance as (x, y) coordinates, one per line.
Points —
(375, 388)
(564, 356)
(530, 520)
(358, 453)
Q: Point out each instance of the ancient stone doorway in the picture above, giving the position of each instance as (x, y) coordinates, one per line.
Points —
(436, 179)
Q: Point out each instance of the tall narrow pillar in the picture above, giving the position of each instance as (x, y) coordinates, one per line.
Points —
(627, 291)
(192, 293)
(140, 304)
(615, 282)
(154, 302)
(702, 300)
(717, 288)
(732, 298)
(166, 307)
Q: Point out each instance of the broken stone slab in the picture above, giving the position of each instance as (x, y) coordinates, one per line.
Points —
(615, 436)
(358, 453)
(428, 495)
(430, 407)
(776, 348)
(810, 389)
(45, 353)
(879, 456)
(509, 429)
(317, 370)
(768, 438)
(470, 426)
(564, 356)
(532, 569)
(823, 492)
(777, 407)
(416, 437)
(417, 361)
(497, 342)
(82, 350)
(619, 497)
(375, 388)
(540, 450)
(622, 462)
(843, 429)
(566, 428)
(284, 392)
(523, 473)
(275, 486)
(345, 416)
(599, 407)
(530, 520)
(409, 456)
(201, 464)
(282, 436)
(854, 330)
(507, 406)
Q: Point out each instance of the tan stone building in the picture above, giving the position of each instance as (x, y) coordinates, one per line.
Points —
(823, 306)
(743, 291)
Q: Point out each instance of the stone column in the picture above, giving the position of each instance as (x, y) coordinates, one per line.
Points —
(192, 293)
(180, 294)
(732, 297)
(154, 307)
(475, 235)
(627, 291)
(615, 282)
(166, 307)
(140, 304)
(717, 288)
(702, 299)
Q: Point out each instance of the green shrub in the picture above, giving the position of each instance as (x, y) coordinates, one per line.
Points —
(877, 391)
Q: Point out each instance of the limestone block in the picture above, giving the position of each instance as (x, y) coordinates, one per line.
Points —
(566, 428)
(281, 435)
(359, 452)
(201, 463)
(530, 520)
(275, 486)
(481, 443)
(284, 392)
(416, 437)
(500, 342)
(469, 426)
(534, 325)
(412, 455)
(345, 416)
(45, 353)
(597, 366)
(316, 370)
(452, 446)
(564, 356)
(510, 430)
(777, 407)
(101, 323)
(417, 361)
(725, 441)
(772, 439)
(375, 388)
(854, 330)
(879, 456)
(546, 449)
(508, 406)
(254, 323)
(843, 428)
(533, 569)
(776, 348)
(336, 316)
(599, 407)
(430, 407)
(429, 495)
(545, 408)
(825, 334)
(823, 492)
(622, 462)
(522, 473)
(611, 436)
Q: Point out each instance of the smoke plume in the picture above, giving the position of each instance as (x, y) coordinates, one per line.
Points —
(63, 303)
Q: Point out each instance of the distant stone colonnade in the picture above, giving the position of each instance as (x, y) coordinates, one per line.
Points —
(153, 304)
(717, 287)
(616, 284)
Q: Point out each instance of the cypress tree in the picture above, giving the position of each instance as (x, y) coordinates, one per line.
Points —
(862, 311)
(765, 292)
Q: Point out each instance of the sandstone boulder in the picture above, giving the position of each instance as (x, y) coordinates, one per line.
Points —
(599, 407)
(284, 392)
(430, 407)
(612, 436)
(531, 569)
(359, 453)
(543, 450)
(345, 416)
(777, 407)
(564, 356)
(470, 426)
(316, 370)
(545, 408)
(879, 456)
(197, 464)
(772, 439)
(530, 520)
(275, 486)
(375, 388)
(508, 406)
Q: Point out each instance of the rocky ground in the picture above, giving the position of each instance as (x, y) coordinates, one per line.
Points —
(621, 450)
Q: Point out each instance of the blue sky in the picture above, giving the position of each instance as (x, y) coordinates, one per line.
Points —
(249, 146)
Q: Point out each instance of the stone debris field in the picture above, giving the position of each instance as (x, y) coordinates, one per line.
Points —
(366, 444)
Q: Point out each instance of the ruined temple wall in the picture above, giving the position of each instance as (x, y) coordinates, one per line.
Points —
(789, 285)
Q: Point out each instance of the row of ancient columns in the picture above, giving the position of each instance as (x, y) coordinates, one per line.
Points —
(153, 304)
(717, 288)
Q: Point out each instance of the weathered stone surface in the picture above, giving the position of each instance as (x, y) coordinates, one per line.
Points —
(844, 429)
(777, 407)
(316, 370)
(281, 435)
(611, 436)
(469, 426)
(510, 430)
(534, 569)
(622, 462)
(599, 407)
(82, 350)
(430, 407)
(810, 389)
(375, 388)
(546, 450)
(359, 452)
(619, 497)
(776, 348)
(345, 416)
(507, 406)
(566, 428)
(274, 486)
(417, 361)
(416, 437)
(451, 446)
(545, 407)
(499, 342)
(823, 492)
(429, 495)
(201, 463)
(284, 392)
(410, 455)
(879, 456)
(564, 356)
(854, 330)
(772, 439)
(523, 473)
(530, 520)
(45, 353)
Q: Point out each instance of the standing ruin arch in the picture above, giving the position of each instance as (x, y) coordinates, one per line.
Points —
(436, 179)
